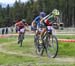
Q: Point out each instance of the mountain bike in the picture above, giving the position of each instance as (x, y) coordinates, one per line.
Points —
(49, 44)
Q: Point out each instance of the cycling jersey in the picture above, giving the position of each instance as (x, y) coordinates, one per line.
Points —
(51, 19)
(20, 25)
(37, 20)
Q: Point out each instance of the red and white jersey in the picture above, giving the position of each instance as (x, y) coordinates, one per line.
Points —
(20, 24)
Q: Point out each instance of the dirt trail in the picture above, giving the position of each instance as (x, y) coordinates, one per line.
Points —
(56, 60)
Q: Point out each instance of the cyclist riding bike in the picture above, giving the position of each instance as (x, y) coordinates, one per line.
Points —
(36, 26)
(20, 25)
(47, 21)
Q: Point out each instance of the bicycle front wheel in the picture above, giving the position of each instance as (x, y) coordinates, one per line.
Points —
(52, 48)
(38, 46)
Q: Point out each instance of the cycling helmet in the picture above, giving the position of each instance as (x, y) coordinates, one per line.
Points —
(56, 12)
(23, 20)
(42, 14)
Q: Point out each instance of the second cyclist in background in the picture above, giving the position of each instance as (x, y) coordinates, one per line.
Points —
(20, 25)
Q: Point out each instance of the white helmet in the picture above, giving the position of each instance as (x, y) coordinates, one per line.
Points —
(55, 12)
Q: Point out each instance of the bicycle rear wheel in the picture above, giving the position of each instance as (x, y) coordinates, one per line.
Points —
(52, 46)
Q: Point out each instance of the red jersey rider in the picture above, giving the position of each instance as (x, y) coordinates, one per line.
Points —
(21, 25)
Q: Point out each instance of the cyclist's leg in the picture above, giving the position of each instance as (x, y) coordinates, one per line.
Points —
(44, 29)
(37, 32)
(18, 31)
(53, 31)
(36, 39)
(21, 31)
(42, 32)
(36, 35)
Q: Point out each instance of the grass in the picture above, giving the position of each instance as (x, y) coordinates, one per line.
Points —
(66, 49)
(66, 36)
(7, 39)
(16, 60)
(13, 59)
(7, 58)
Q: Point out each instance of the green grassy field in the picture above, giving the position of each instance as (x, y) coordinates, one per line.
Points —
(66, 36)
(13, 55)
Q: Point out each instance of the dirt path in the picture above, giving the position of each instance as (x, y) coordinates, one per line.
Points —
(57, 60)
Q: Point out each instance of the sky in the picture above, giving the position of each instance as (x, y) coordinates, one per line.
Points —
(10, 1)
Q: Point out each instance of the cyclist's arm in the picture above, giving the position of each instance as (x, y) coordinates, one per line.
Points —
(33, 24)
(17, 25)
(46, 16)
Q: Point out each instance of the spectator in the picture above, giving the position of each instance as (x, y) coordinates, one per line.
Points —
(3, 30)
(6, 32)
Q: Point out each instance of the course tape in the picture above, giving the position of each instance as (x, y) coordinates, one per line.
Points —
(3, 36)
(66, 40)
